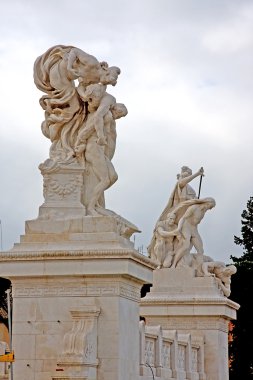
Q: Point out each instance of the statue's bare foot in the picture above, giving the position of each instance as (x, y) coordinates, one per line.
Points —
(92, 212)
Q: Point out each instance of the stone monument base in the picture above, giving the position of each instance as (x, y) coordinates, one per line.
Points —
(71, 308)
(76, 290)
(180, 301)
(89, 232)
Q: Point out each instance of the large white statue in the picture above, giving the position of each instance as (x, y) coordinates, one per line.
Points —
(182, 192)
(176, 233)
(55, 73)
(80, 121)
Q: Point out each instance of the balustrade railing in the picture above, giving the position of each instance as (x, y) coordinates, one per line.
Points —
(165, 354)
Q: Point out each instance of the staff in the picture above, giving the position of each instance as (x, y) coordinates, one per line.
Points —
(200, 181)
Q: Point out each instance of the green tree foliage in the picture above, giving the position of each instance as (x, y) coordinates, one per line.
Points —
(241, 347)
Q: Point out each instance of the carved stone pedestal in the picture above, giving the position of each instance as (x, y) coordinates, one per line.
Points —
(180, 301)
(89, 233)
(76, 313)
(63, 191)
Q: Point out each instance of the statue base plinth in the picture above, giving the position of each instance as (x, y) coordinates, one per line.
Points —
(182, 282)
(62, 189)
(56, 298)
(89, 233)
(180, 301)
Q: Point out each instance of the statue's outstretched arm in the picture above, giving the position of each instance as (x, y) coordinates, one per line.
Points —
(166, 234)
(183, 182)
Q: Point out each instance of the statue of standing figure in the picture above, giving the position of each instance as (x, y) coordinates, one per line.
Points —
(164, 242)
(179, 201)
(80, 120)
(187, 211)
(182, 190)
(176, 233)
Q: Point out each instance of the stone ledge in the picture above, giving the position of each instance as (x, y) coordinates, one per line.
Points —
(76, 254)
(84, 264)
(189, 301)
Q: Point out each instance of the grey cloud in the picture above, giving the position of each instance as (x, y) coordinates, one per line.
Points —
(176, 86)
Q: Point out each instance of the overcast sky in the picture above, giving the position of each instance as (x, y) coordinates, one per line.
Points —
(187, 83)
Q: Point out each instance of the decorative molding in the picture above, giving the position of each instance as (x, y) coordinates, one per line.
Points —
(72, 255)
(62, 186)
(80, 343)
(166, 353)
(189, 300)
(190, 323)
(194, 359)
(49, 291)
(79, 346)
(178, 358)
(149, 351)
(117, 289)
(181, 357)
(129, 292)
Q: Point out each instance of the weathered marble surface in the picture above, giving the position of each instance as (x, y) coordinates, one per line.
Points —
(179, 300)
(75, 274)
(80, 120)
(176, 233)
(76, 313)
(87, 233)
(170, 355)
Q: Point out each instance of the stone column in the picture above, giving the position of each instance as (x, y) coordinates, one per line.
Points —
(179, 300)
(76, 314)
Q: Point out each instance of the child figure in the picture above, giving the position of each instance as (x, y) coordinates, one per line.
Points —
(99, 103)
(103, 110)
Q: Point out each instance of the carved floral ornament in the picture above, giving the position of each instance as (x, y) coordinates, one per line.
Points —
(55, 188)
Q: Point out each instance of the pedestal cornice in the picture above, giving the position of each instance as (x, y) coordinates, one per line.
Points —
(126, 263)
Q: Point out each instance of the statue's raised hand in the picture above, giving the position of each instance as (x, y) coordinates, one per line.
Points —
(201, 171)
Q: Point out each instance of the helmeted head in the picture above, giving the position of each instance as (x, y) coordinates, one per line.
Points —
(185, 171)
